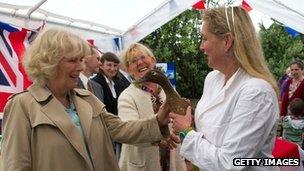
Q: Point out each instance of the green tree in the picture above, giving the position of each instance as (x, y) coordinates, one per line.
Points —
(280, 48)
(178, 41)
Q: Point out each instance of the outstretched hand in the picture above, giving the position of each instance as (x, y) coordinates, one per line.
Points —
(181, 122)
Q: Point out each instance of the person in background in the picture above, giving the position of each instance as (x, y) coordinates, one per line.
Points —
(140, 102)
(112, 87)
(56, 126)
(294, 86)
(91, 66)
(105, 77)
(237, 114)
(293, 123)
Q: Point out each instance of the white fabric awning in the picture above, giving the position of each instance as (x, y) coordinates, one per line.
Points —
(128, 20)
(288, 12)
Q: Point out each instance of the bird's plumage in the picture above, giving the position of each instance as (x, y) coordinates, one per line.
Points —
(175, 102)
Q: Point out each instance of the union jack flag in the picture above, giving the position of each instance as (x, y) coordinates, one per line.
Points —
(13, 79)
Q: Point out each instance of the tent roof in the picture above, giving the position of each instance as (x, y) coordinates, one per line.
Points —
(288, 12)
(129, 19)
(99, 15)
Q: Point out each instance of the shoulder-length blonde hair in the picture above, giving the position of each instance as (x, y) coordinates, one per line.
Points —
(132, 50)
(247, 48)
(41, 58)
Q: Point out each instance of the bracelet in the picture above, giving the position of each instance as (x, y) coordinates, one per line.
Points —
(182, 134)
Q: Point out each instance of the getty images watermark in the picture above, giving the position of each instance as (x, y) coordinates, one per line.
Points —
(266, 161)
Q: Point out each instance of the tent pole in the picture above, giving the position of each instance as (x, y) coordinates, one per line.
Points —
(297, 12)
(34, 8)
(148, 15)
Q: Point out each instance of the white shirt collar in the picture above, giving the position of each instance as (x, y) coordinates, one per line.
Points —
(111, 85)
(124, 73)
(232, 78)
(84, 80)
(109, 81)
(127, 75)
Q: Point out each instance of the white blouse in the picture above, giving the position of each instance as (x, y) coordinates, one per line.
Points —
(235, 120)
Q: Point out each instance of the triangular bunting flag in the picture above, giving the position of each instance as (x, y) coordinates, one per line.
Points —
(245, 6)
(199, 5)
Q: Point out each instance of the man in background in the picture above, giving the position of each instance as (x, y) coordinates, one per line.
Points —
(107, 78)
(91, 66)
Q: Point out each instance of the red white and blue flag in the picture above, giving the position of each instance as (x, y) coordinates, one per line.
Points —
(13, 41)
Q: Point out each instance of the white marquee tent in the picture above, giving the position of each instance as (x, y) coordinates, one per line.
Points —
(288, 12)
(127, 20)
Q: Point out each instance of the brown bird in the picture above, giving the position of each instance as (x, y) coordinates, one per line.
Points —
(176, 104)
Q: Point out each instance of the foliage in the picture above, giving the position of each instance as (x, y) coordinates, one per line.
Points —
(178, 41)
(280, 48)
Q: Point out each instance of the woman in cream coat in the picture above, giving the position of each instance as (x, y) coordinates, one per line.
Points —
(139, 102)
(55, 126)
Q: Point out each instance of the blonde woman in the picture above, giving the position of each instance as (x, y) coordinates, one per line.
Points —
(140, 102)
(237, 113)
(55, 126)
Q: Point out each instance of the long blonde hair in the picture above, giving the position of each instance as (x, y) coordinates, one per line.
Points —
(246, 48)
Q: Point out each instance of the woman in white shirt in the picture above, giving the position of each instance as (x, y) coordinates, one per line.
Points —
(237, 113)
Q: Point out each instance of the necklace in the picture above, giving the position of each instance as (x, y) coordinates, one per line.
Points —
(294, 86)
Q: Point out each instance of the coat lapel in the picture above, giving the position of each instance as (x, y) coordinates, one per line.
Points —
(57, 114)
(54, 110)
(80, 83)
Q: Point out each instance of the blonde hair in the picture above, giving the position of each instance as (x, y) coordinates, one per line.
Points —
(247, 48)
(42, 57)
(132, 50)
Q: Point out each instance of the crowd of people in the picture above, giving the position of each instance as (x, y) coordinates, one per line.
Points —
(84, 110)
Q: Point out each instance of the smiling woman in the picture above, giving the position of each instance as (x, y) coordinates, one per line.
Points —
(141, 102)
(55, 126)
(42, 58)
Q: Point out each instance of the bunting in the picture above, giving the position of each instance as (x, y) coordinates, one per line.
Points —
(200, 5)
(293, 33)
(245, 6)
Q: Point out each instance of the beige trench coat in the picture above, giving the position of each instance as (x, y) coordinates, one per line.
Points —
(39, 135)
